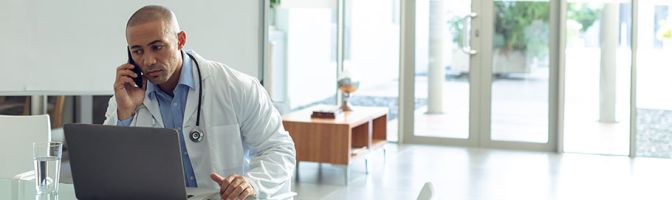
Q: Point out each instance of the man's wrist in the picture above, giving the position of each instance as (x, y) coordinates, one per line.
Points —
(126, 122)
(121, 115)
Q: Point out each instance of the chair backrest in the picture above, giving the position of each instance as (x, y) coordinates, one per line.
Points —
(17, 134)
(427, 192)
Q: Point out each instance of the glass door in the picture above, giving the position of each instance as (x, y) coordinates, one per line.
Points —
(302, 49)
(371, 46)
(443, 76)
(481, 74)
(517, 75)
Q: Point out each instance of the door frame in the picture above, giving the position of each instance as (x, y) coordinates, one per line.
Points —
(480, 78)
(633, 78)
(407, 83)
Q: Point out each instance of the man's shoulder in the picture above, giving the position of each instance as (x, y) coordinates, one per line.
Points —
(220, 70)
(223, 76)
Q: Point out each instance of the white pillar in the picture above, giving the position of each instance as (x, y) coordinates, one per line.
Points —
(38, 105)
(84, 109)
(436, 70)
(609, 44)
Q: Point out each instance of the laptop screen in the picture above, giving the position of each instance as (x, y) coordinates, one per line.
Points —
(114, 162)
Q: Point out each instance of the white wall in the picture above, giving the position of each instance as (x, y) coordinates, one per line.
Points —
(74, 46)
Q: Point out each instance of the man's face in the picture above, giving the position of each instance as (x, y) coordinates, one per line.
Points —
(155, 49)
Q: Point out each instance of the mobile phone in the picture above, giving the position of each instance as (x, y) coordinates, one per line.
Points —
(136, 69)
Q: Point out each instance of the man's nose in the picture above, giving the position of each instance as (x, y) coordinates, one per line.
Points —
(149, 59)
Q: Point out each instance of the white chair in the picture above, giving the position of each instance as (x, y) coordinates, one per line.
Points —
(427, 192)
(17, 134)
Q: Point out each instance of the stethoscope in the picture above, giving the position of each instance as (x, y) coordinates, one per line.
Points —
(196, 134)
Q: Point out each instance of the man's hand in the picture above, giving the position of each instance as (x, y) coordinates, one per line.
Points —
(128, 96)
(233, 187)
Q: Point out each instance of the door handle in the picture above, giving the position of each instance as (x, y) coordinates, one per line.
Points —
(466, 26)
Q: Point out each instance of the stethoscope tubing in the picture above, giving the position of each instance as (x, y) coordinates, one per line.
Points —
(196, 135)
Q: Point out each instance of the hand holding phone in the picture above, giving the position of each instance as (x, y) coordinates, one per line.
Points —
(136, 69)
(128, 97)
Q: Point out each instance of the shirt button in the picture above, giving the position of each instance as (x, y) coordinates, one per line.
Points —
(174, 104)
(191, 177)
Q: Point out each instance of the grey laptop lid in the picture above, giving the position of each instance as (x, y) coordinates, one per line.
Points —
(114, 162)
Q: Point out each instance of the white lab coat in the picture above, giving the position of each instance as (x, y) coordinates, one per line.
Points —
(243, 131)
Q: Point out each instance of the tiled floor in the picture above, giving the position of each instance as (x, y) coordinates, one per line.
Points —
(465, 173)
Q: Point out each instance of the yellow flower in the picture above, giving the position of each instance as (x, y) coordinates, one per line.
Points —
(665, 31)
(667, 34)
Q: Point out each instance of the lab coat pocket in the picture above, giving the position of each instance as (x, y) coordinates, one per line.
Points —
(226, 147)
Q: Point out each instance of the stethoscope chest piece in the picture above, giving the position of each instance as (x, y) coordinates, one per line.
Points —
(196, 135)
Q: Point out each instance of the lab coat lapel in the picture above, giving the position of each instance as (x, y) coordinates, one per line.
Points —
(192, 104)
(153, 107)
(198, 152)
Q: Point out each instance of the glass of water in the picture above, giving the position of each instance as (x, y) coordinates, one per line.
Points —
(47, 159)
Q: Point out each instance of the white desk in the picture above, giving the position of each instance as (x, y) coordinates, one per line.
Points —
(26, 190)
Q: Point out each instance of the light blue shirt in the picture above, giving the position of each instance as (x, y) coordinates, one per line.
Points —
(172, 112)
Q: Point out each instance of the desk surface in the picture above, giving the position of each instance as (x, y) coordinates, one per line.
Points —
(26, 190)
(358, 116)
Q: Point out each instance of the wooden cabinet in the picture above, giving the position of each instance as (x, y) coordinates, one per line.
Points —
(349, 136)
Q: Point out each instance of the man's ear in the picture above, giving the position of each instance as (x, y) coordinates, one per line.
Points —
(181, 39)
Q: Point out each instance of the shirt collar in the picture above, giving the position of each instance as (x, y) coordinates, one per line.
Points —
(186, 77)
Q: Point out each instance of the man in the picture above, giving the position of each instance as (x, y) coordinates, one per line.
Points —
(244, 149)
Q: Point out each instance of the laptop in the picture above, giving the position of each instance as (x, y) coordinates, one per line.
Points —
(117, 162)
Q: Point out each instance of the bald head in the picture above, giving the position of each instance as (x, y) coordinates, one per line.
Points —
(153, 13)
(155, 43)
